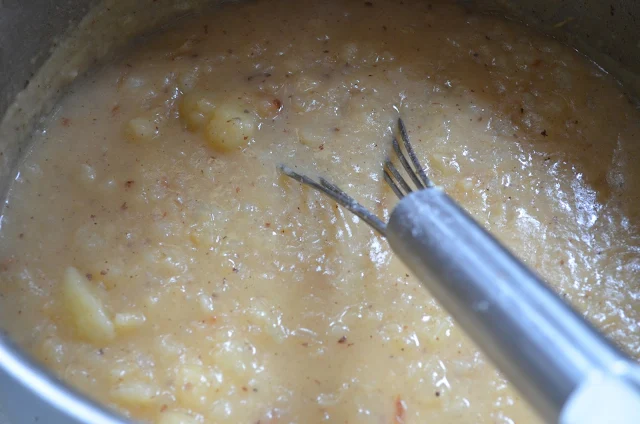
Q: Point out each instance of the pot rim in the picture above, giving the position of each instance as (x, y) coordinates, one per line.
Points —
(35, 378)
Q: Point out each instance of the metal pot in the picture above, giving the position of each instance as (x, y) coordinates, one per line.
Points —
(44, 45)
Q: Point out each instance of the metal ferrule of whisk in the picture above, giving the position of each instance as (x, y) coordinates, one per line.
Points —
(563, 366)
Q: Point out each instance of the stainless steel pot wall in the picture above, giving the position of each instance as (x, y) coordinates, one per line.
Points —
(44, 45)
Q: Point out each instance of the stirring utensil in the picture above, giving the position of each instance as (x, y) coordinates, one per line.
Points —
(562, 365)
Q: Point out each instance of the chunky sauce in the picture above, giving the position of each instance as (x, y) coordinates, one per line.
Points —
(152, 256)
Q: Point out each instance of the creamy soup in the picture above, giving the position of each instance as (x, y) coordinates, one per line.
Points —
(152, 256)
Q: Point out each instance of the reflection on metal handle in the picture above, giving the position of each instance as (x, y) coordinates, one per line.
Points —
(543, 347)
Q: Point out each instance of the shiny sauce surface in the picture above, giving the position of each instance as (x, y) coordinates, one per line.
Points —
(152, 256)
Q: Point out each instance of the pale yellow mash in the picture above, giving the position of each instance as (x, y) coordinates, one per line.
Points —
(152, 256)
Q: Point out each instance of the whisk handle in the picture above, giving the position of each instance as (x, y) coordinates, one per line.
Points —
(550, 353)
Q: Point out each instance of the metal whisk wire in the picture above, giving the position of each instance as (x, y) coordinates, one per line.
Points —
(391, 175)
(339, 196)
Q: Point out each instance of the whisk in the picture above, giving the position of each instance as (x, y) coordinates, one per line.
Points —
(564, 367)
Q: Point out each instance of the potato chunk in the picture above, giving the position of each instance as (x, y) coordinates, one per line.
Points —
(87, 311)
(176, 418)
(128, 321)
(141, 129)
(145, 127)
(196, 110)
(195, 386)
(231, 127)
(134, 394)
